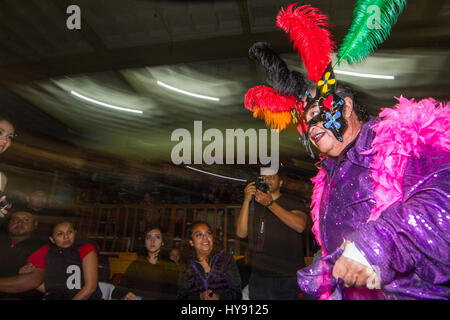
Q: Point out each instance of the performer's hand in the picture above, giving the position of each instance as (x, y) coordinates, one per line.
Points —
(353, 273)
(263, 198)
(250, 191)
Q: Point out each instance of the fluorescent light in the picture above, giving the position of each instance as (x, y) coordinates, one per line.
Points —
(364, 75)
(216, 175)
(186, 92)
(104, 104)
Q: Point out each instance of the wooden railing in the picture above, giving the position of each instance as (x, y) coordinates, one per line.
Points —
(120, 228)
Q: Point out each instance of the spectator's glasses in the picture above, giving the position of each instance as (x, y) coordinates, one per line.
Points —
(9, 137)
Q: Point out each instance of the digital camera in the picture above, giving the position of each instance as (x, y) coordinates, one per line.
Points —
(261, 185)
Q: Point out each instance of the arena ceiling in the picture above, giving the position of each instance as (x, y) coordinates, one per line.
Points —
(125, 49)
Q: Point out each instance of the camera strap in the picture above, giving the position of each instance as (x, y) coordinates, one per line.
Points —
(257, 228)
(260, 235)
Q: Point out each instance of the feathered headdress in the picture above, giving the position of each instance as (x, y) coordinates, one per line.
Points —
(309, 31)
(372, 24)
(279, 105)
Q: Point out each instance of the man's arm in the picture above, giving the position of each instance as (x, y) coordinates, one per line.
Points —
(22, 282)
(90, 272)
(242, 220)
(294, 219)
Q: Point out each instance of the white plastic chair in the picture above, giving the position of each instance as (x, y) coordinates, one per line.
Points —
(106, 289)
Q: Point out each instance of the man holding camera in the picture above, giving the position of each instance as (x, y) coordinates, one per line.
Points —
(273, 224)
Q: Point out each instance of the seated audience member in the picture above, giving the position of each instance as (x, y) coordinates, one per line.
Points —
(152, 276)
(7, 134)
(147, 199)
(175, 255)
(71, 267)
(15, 248)
(37, 201)
(208, 276)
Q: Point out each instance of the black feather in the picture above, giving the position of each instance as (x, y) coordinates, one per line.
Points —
(279, 77)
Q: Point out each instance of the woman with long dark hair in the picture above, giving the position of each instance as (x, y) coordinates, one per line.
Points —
(152, 276)
(209, 275)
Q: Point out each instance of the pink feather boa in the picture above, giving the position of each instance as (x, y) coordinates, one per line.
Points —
(398, 136)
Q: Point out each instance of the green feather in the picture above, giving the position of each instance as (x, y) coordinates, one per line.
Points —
(364, 36)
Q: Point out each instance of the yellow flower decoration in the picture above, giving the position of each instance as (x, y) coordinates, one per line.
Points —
(325, 82)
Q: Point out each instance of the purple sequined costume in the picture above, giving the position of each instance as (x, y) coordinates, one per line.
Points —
(389, 193)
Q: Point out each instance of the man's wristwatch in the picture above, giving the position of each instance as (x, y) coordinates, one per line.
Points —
(270, 203)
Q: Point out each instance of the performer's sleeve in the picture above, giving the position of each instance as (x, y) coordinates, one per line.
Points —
(412, 235)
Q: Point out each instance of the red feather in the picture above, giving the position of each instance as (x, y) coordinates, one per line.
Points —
(266, 99)
(308, 28)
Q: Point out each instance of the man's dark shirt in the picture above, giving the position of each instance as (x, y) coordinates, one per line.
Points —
(12, 258)
(278, 251)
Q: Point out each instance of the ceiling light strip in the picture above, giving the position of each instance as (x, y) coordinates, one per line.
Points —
(186, 92)
(364, 75)
(104, 104)
(216, 175)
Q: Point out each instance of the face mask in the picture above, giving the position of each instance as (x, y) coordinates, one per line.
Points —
(331, 113)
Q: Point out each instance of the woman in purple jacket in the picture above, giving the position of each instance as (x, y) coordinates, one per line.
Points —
(209, 275)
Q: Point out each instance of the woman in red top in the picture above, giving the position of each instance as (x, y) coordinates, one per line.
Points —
(71, 267)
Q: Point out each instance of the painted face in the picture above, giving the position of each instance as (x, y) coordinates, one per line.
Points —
(153, 240)
(6, 135)
(63, 235)
(325, 126)
(21, 224)
(202, 239)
